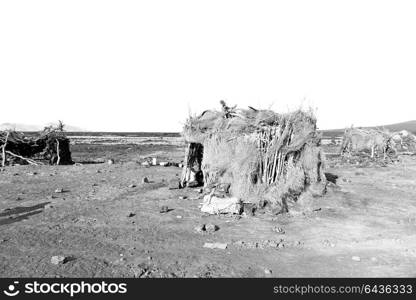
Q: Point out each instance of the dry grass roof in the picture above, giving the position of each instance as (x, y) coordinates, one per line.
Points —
(243, 121)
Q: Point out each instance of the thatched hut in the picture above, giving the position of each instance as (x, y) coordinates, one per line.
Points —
(255, 155)
(50, 145)
(375, 143)
(404, 141)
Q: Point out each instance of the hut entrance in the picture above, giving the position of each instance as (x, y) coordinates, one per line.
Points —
(192, 171)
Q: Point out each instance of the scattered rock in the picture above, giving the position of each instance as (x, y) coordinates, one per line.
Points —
(58, 260)
(60, 190)
(164, 209)
(221, 246)
(356, 258)
(267, 271)
(200, 228)
(260, 244)
(249, 209)
(179, 217)
(206, 228)
(296, 243)
(240, 243)
(164, 164)
(145, 180)
(272, 244)
(214, 205)
(328, 243)
(48, 206)
(132, 186)
(182, 197)
(174, 184)
(200, 191)
(131, 215)
(110, 161)
(279, 230)
(211, 228)
(180, 165)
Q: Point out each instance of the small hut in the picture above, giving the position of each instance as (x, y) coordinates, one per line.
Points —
(50, 145)
(255, 155)
(404, 141)
(373, 142)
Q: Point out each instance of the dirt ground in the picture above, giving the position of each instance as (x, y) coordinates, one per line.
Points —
(363, 227)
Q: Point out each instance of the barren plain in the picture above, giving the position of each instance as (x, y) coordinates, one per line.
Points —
(107, 223)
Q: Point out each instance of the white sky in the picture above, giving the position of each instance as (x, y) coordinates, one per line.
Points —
(141, 65)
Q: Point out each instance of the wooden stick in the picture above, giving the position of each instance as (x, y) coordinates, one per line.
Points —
(57, 152)
(32, 162)
(274, 165)
(4, 149)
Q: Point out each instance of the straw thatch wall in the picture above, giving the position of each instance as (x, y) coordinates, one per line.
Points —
(259, 154)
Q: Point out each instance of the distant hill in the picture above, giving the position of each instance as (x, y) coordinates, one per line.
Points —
(409, 126)
(29, 127)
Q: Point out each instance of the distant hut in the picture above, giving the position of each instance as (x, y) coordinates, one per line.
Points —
(259, 155)
(404, 141)
(51, 146)
(375, 143)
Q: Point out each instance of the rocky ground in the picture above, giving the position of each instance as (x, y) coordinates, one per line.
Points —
(95, 219)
